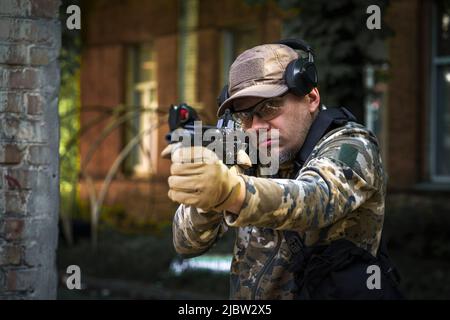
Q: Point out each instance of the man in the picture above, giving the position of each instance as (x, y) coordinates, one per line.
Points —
(335, 199)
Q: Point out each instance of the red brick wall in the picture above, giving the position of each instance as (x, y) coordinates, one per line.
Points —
(223, 14)
(102, 90)
(405, 101)
(131, 21)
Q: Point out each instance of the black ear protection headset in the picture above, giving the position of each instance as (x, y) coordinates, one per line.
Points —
(300, 74)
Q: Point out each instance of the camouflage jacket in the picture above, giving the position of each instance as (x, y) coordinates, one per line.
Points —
(338, 193)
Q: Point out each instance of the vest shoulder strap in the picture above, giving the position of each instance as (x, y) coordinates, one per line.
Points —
(327, 120)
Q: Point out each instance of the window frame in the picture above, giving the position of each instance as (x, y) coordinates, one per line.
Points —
(435, 62)
(228, 47)
(136, 169)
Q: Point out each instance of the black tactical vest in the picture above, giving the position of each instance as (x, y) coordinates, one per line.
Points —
(339, 270)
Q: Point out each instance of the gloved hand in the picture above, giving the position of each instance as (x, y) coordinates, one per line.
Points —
(200, 179)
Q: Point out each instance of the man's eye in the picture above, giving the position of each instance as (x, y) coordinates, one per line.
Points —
(268, 110)
(242, 116)
(273, 103)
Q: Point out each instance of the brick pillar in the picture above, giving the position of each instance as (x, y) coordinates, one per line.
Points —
(30, 36)
(404, 94)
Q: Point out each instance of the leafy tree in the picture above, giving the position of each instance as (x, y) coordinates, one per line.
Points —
(69, 107)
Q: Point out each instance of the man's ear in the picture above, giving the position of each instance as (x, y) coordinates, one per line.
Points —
(313, 99)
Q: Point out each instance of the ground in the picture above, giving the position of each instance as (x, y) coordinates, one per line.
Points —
(130, 266)
(136, 266)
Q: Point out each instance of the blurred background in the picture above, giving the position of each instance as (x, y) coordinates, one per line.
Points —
(132, 59)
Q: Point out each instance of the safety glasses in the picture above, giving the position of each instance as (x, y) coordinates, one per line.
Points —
(266, 110)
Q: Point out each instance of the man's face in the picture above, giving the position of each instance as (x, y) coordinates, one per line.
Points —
(292, 120)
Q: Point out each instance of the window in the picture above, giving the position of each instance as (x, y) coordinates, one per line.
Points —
(440, 94)
(188, 52)
(376, 101)
(234, 42)
(141, 100)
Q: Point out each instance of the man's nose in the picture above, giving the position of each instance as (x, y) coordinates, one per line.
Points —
(258, 123)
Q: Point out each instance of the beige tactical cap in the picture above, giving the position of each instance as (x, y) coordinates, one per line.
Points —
(258, 72)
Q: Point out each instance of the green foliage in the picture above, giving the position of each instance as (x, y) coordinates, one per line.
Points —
(69, 125)
(69, 108)
(69, 96)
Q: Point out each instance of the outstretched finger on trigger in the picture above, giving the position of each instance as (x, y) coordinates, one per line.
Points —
(243, 159)
(168, 151)
(165, 154)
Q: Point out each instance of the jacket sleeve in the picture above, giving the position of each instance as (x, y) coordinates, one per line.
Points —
(195, 231)
(342, 175)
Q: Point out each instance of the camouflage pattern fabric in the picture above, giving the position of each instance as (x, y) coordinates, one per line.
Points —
(339, 193)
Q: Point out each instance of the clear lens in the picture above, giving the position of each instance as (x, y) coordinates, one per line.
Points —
(266, 110)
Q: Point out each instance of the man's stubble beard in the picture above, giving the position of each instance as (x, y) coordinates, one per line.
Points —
(290, 154)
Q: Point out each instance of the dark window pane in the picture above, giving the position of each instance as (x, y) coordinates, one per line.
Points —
(443, 121)
(443, 28)
(235, 42)
(145, 63)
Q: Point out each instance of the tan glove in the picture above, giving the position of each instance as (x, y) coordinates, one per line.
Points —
(198, 178)
(167, 152)
(243, 160)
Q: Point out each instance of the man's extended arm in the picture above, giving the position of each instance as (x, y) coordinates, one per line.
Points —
(343, 175)
(194, 231)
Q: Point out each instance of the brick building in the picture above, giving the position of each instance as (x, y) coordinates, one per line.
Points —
(152, 54)
(417, 119)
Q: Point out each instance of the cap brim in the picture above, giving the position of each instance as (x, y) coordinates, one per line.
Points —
(259, 91)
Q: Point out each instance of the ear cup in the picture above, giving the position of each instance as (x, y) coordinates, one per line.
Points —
(289, 77)
(309, 77)
(301, 76)
(310, 73)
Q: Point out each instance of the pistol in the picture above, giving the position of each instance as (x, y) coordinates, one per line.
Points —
(184, 123)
